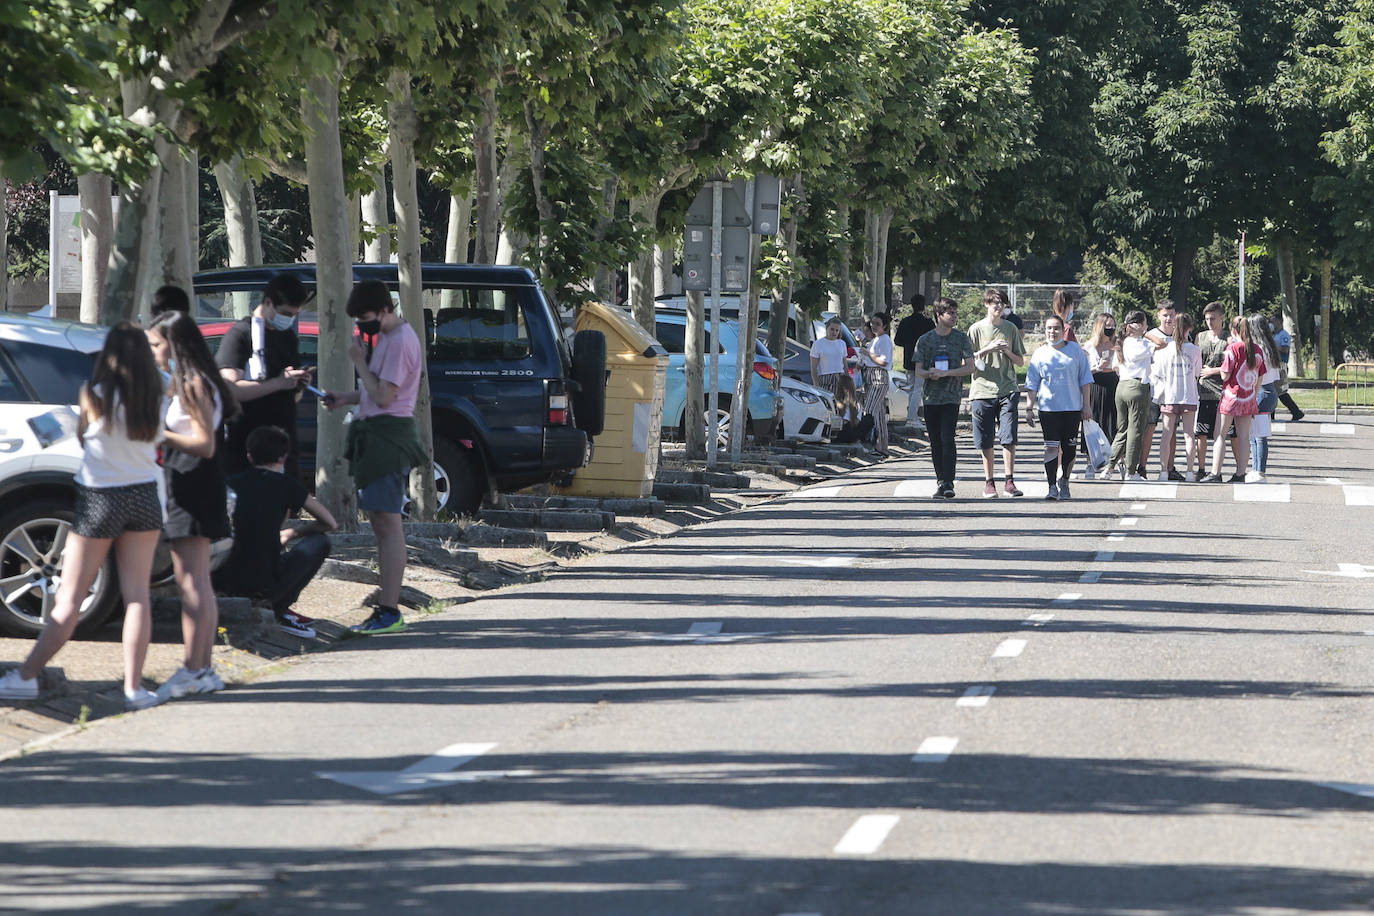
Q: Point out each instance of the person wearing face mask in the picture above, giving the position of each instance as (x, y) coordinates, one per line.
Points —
(260, 356)
(1059, 382)
(383, 443)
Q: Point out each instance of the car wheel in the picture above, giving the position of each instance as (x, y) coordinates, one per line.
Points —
(32, 539)
(464, 484)
(589, 371)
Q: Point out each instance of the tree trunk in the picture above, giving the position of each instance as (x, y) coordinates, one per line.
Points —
(744, 355)
(405, 129)
(136, 234)
(694, 406)
(1324, 331)
(604, 281)
(488, 194)
(884, 285)
(240, 224)
(842, 301)
(97, 234)
(537, 133)
(459, 228)
(644, 215)
(782, 304)
(511, 242)
(1181, 275)
(179, 251)
(329, 220)
(1283, 246)
(664, 259)
(377, 221)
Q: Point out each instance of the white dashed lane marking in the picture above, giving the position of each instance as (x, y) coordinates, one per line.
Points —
(1067, 598)
(867, 835)
(1088, 578)
(1009, 648)
(1359, 496)
(1129, 520)
(1104, 556)
(935, 749)
(817, 492)
(1037, 620)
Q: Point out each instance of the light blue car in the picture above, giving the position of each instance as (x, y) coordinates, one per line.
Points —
(765, 402)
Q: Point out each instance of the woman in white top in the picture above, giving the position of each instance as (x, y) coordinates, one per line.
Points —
(1268, 397)
(877, 360)
(1134, 355)
(1173, 379)
(117, 506)
(197, 512)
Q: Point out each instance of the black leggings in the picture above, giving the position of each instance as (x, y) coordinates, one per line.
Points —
(940, 422)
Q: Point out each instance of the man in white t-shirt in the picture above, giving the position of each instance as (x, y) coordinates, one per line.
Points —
(1161, 334)
(829, 370)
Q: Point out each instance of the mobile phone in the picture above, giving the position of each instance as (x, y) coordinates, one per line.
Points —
(315, 391)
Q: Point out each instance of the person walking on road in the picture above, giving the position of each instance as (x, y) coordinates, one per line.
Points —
(1059, 384)
(1173, 383)
(909, 330)
(1101, 350)
(1240, 372)
(944, 357)
(1261, 430)
(260, 357)
(197, 511)
(994, 391)
(1284, 341)
(117, 507)
(1134, 355)
(876, 359)
(383, 443)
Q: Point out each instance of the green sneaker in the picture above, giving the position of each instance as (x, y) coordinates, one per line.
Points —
(381, 621)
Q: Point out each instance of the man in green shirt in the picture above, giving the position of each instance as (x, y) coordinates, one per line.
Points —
(943, 357)
(994, 393)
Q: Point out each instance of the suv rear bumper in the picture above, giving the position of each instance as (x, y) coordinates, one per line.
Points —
(565, 448)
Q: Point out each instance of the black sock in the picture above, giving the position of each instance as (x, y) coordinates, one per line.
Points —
(1052, 470)
(1069, 453)
(387, 609)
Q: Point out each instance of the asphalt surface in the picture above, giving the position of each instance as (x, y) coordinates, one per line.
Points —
(854, 700)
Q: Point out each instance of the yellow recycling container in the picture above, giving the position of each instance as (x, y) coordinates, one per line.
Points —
(625, 458)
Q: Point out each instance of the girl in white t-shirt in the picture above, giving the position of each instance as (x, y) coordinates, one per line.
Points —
(877, 361)
(117, 505)
(1173, 381)
(197, 511)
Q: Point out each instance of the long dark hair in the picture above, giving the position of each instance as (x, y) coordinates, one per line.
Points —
(1241, 328)
(193, 357)
(125, 373)
(1261, 335)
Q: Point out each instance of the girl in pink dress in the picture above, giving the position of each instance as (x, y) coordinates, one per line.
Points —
(1240, 372)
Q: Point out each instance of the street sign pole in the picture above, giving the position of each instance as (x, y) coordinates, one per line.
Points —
(713, 370)
(744, 353)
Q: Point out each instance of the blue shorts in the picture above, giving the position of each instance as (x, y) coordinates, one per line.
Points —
(385, 494)
(994, 419)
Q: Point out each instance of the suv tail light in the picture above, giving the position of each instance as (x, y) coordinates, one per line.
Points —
(765, 371)
(558, 410)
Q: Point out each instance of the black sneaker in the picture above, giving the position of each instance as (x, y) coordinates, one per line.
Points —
(1176, 476)
(1297, 416)
(1210, 478)
(1237, 478)
(296, 625)
(948, 491)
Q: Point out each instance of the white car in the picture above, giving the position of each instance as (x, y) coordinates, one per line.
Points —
(43, 364)
(808, 413)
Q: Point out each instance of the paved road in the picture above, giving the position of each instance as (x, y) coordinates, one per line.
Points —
(853, 700)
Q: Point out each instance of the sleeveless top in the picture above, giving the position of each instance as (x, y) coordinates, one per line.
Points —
(111, 459)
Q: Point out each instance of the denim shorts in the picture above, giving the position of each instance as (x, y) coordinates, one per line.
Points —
(385, 494)
(994, 418)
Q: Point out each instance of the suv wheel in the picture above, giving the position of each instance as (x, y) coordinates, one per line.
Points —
(31, 541)
(460, 473)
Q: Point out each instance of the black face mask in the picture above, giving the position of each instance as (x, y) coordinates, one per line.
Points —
(370, 328)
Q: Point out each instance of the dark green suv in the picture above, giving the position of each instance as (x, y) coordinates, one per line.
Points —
(512, 403)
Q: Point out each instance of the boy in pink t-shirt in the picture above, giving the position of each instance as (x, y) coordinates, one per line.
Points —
(383, 444)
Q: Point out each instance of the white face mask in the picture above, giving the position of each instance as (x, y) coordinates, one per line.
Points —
(283, 322)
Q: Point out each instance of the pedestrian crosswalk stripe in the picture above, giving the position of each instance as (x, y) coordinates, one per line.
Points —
(1149, 491)
(1278, 427)
(909, 488)
(817, 492)
(1358, 496)
(1262, 492)
(1338, 429)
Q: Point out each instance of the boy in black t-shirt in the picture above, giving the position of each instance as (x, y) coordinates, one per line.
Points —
(269, 561)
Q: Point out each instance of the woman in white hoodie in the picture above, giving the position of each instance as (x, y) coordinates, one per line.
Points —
(1173, 383)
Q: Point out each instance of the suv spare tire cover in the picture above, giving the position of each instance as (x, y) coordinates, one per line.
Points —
(589, 371)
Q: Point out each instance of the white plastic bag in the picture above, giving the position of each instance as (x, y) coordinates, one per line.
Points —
(1098, 446)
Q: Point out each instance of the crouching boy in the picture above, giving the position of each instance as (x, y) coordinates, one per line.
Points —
(270, 561)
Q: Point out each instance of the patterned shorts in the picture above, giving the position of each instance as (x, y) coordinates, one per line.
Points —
(108, 512)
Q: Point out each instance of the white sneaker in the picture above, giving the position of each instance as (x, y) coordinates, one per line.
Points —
(187, 682)
(1254, 477)
(1163, 477)
(14, 687)
(1137, 478)
(1190, 477)
(141, 699)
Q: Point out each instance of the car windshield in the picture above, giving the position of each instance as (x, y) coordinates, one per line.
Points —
(55, 374)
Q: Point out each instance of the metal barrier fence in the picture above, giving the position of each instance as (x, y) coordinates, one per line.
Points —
(1353, 387)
